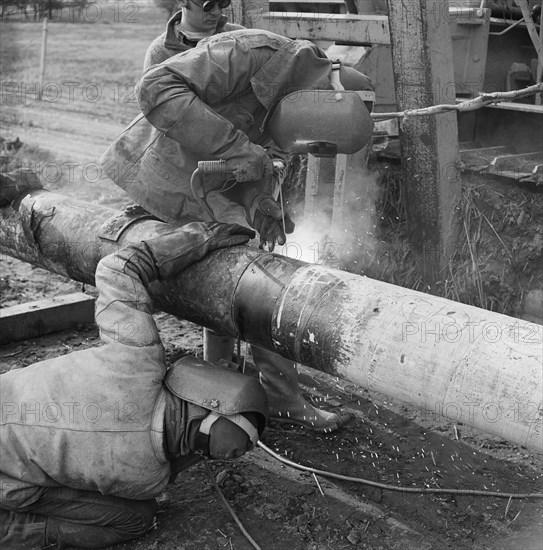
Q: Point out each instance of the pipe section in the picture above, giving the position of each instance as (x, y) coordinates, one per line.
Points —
(473, 366)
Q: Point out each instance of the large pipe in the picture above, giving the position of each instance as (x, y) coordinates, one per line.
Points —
(470, 365)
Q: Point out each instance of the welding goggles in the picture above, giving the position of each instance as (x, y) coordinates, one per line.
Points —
(208, 5)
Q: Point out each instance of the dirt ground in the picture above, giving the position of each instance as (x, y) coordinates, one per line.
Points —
(280, 507)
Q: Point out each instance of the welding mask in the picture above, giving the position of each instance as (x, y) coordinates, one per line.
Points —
(237, 405)
(226, 437)
(325, 122)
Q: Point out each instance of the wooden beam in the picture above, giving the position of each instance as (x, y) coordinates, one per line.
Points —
(424, 76)
(344, 28)
(45, 316)
(353, 197)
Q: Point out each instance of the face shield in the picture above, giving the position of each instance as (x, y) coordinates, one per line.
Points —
(237, 405)
(227, 437)
(325, 122)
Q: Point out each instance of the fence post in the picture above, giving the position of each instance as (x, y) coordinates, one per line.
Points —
(43, 57)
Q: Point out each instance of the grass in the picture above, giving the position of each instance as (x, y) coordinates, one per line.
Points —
(91, 67)
(497, 257)
(483, 271)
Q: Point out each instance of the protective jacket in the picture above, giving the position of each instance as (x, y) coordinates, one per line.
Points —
(172, 42)
(207, 103)
(94, 419)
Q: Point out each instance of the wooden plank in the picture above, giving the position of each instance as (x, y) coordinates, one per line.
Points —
(530, 25)
(342, 185)
(45, 316)
(424, 76)
(322, 3)
(537, 110)
(319, 192)
(345, 28)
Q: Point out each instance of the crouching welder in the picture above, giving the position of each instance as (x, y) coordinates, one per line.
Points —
(217, 102)
(89, 439)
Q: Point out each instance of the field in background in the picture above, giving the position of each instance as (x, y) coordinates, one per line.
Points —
(87, 90)
(87, 100)
(91, 67)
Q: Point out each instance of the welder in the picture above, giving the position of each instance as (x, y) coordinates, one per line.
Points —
(212, 103)
(89, 439)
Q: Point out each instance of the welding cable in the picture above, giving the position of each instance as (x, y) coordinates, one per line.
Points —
(253, 543)
(419, 490)
(197, 183)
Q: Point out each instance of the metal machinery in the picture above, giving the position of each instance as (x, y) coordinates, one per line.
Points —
(507, 139)
(495, 48)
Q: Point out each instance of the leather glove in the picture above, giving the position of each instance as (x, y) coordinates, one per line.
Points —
(254, 164)
(180, 248)
(267, 219)
(13, 184)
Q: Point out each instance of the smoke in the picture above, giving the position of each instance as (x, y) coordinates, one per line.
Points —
(338, 233)
(357, 235)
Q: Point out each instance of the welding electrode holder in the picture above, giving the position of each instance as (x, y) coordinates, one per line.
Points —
(216, 168)
(197, 182)
(250, 191)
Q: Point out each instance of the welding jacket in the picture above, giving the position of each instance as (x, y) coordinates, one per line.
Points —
(95, 419)
(171, 41)
(207, 103)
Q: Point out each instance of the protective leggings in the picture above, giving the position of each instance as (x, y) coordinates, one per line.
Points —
(64, 517)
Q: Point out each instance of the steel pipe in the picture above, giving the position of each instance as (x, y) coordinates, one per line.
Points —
(473, 366)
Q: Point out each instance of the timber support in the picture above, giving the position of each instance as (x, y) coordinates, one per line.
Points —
(424, 76)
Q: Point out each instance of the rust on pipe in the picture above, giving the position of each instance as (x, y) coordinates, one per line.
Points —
(448, 359)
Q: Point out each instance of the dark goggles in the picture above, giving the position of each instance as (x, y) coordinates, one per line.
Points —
(208, 5)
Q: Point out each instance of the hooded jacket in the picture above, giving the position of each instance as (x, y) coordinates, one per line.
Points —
(207, 103)
(171, 42)
(95, 419)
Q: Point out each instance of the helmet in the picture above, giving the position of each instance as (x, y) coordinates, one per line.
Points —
(237, 403)
(227, 436)
(325, 122)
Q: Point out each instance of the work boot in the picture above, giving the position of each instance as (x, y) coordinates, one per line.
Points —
(279, 378)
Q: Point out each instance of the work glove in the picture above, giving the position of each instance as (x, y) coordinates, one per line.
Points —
(178, 249)
(13, 184)
(262, 212)
(271, 223)
(252, 165)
